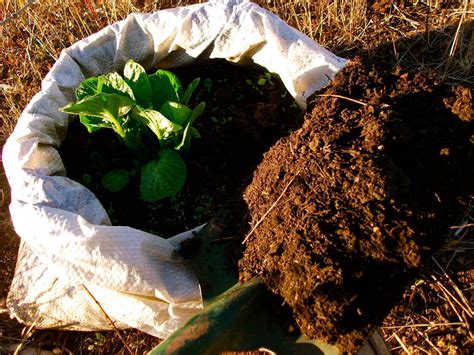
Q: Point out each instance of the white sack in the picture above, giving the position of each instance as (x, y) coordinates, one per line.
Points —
(67, 240)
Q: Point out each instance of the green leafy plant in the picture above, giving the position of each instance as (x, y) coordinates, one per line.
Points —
(133, 106)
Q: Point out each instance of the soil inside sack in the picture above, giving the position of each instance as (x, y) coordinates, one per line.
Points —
(364, 192)
(247, 110)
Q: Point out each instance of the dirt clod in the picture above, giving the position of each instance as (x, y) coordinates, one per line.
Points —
(376, 185)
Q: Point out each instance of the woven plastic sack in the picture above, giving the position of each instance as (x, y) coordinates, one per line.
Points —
(71, 258)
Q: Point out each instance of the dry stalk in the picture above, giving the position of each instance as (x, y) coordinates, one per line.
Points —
(458, 30)
(81, 25)
(343, 97)
(271, 207)
(412, 22)
(423, 325)
(25, 334)
(454, 45)
(465, 304)
(402, 344)
(17, 13)
(267, 351)
(421, 350)
(457, 244)
(467, 225)
(427, 23)
(449, 297)
(112, 323)
(91, 9)
(427, 339)
(31, 62)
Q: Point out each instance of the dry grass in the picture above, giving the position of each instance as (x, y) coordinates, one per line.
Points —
(436, 314)
(435, 36)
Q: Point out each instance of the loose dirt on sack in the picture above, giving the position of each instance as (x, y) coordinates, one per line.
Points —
(366, 190)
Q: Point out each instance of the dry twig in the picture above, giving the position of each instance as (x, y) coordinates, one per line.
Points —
(15, 14)
(402, 344)
(271, 207)
(467, 225)
(25, 334)
(112, 323)
(343, 97)
(423, 325)
(464, 303)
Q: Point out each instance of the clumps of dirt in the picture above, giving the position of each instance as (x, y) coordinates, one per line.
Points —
(367, 189)
(461, 102)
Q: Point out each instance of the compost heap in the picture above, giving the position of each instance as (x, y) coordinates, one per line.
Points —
(365, 191)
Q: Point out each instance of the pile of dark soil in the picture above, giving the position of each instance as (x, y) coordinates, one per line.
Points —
(247, 110)
(366, 190)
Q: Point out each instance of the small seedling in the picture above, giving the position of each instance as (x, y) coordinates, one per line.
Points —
(221, 121)
(208, 84)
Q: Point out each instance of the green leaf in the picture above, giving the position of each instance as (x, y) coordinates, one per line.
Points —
(136, 77)
(115, 84)
(101, 105)
(165, 86)
(194, 133)
(173, 80)
(198, 110)
(115, 180)
(161, 126)
(176, 112)
(109, 107)
(92, 123)
(186, 140)
(164, 177)
(87, 88)
(190, 90)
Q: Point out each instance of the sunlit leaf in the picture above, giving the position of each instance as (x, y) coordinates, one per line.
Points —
(137, 78)
(161, 126)
(114, 84)
(109, 107)
(87, 88)
(176, 112)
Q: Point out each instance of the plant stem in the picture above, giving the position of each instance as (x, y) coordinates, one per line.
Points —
(118, 128)
(121, 132)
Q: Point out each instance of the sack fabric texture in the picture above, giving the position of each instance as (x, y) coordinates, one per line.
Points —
(68, 245)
